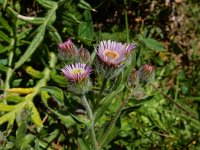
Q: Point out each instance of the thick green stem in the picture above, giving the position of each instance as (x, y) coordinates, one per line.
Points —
(90, 115)
(112, 123)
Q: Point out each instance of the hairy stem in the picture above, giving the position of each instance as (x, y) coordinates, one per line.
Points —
(90, 115)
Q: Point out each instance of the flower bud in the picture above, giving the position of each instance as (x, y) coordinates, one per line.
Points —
(133, 79)
(139, 95)
(68, 51)
(146, 73)
(83, 55)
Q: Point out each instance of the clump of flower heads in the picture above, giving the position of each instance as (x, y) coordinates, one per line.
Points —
(139, 78)
(69, 53)
(110, 61)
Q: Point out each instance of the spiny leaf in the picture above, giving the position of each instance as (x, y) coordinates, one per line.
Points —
(66, 119)
(20, 135)
(54, 34)
(35, 114)
(54, 91)
(4, 37)
(5, 107)
(5, 48)
(83, 4)
(13, 98)
(86, 30)
(32, 47)
(32, 20)
(47, 3)
(5, 24)
(31, 71)
(61, 80)
(82, 145)
(6, 117)
(21, 90)
(3, 68)
(153, 44)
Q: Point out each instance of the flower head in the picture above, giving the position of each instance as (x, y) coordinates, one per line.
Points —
(76, 72)
(78, 77)
(146, 73)
(133, 78)
(111, 53)
(83, 55)
(67, 50)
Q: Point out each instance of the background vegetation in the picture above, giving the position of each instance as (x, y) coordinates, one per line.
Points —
(167, 34)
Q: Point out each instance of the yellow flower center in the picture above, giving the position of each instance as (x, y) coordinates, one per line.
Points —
(111, 54)
(77, 71)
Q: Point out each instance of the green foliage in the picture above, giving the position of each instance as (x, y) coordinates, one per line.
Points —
(37, 111)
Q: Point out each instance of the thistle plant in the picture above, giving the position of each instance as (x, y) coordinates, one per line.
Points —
(72, 94)
(109, 64)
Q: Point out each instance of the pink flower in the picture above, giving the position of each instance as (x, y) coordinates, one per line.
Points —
(111, 53)
(68, 48)
(77, 72)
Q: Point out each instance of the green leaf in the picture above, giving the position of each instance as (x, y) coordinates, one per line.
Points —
(6, 117)
(84, 5)
(32, 20)
(37, 146)
(13, 98)
(32, 47)
(4, 37)
(31, 71)
(54, 91)
(35, 114)
(5, 107)
(82, 145)
(3, 68)
(20, 135)
(5, 24)
(47, 3)
(5, 48)
(105, 103)
(81, 119)
(66, 119)
(54, 34)
(60, 80)
(86, 30)
(153, 44)
(27, 141)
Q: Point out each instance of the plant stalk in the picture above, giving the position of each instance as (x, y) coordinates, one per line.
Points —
(112, 123)
(90, 115)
